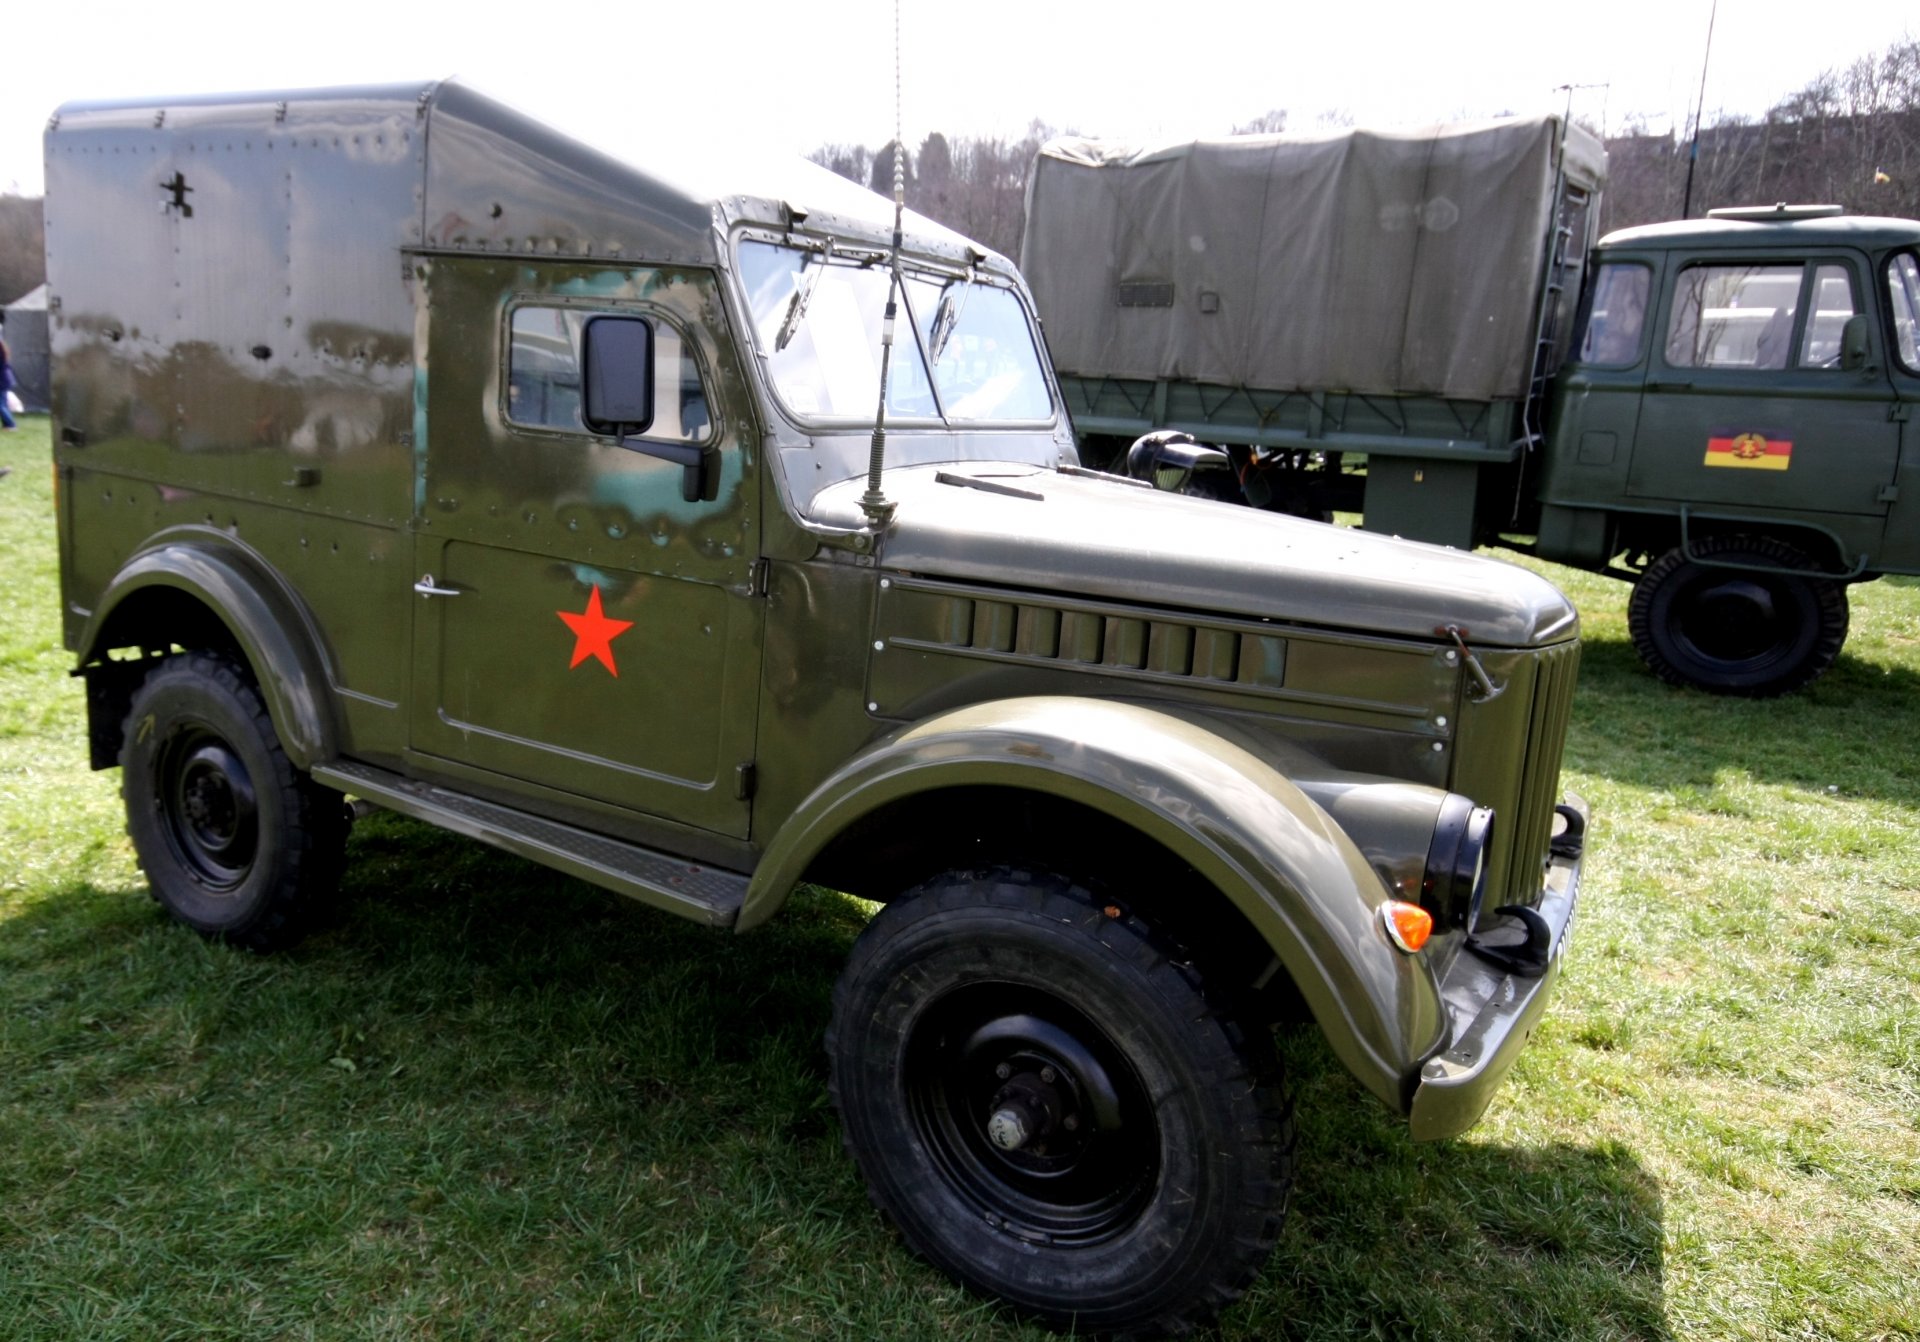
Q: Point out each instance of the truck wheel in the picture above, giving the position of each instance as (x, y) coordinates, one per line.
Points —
(1753, 632)
(236, 843)
(1048, 1106)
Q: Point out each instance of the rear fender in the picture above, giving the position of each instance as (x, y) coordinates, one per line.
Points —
(267, 623)
(1291, 871)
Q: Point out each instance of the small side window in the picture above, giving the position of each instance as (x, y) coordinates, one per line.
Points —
(1827, 320)
(1903, 302)
(1618, 316)
(1733, 317)
(543, 376)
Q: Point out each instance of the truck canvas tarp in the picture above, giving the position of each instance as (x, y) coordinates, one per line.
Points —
(1366, 261)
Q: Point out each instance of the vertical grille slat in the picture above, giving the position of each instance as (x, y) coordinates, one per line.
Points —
(1552, 712)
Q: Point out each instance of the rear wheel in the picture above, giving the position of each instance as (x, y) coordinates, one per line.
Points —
(236, 843)
(1049, 1107)
(1758, 631)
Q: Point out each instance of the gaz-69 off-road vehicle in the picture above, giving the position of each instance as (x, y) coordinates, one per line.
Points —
(413, 452)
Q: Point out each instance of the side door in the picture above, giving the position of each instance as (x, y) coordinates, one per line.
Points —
(1596, 397)
(1749, 410)
(1901, 277)
(583, 633)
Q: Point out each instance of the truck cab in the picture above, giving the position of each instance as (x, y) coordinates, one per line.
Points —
(1734, 431)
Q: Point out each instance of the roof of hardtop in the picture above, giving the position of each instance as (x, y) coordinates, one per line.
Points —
(1865, 231)
(499, 181)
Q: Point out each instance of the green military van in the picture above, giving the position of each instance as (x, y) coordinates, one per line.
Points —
(1735, 429)
(413, 453)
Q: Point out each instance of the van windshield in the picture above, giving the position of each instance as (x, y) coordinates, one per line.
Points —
(817, 319)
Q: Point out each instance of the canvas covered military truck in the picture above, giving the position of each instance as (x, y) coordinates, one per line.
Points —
(1372, 322)
(411, 452)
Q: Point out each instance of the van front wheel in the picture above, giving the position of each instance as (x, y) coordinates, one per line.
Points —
(1744, 622)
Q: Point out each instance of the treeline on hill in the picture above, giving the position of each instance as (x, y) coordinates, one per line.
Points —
(1851, 137)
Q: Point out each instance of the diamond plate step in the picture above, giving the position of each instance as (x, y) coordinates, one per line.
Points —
(702, 893)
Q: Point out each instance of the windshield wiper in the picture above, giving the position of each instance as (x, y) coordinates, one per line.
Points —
(802, 295)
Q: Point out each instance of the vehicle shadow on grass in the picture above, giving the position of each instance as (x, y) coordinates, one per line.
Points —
(555, 1039)
(1462, 1239)
(1851, 732)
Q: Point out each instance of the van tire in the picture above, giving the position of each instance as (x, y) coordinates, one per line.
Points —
(1156, 1139)
(236, 843)
(1756, 632)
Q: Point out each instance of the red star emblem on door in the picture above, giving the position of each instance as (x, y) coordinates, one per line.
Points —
(593, 633)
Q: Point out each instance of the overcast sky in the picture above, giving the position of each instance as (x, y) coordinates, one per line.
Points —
(795, 76)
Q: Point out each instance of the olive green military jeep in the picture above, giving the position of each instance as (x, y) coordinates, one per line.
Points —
(411, 452)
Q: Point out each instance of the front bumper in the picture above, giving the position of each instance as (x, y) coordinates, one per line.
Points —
(1492, 1013)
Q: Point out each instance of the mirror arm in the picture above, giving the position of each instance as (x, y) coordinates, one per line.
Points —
(690, 456)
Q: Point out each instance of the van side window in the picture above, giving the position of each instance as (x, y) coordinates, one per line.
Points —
(1733, 317)
(543, 375)
(1618, 316)
(1832, 305)
(1903, 301)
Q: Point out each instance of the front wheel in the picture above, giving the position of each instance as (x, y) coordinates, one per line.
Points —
(1051, 1109)
(1756, 631)
(236, 843)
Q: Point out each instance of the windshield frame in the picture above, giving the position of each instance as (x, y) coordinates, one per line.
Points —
(854, 255)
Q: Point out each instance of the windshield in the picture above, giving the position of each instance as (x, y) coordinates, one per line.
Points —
(829, 312)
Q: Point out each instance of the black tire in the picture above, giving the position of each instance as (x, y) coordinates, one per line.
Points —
(236, 843)
(1159, 1142)
(1755, 632)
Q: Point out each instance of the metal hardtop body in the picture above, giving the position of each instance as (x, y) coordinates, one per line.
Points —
(486, 178)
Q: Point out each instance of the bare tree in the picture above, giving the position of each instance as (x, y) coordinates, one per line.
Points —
(23, 246)
(1270, 122)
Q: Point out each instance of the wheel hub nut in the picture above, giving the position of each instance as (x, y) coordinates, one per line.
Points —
(1007, 1129)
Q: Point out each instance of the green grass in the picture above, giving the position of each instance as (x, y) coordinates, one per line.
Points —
(486, 1101)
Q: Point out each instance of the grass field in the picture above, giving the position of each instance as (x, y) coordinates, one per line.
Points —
(486, 1101)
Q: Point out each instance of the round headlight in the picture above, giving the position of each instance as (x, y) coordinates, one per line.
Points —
(1456, 875)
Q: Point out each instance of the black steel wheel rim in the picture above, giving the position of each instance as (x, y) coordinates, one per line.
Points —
(1740, 622)
(209, 812)
(1090, 1155)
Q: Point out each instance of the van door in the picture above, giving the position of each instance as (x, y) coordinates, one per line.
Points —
(1901, 278)
(582, 632)
(1748, 411)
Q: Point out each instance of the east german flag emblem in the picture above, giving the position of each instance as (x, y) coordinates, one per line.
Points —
(1752, 451)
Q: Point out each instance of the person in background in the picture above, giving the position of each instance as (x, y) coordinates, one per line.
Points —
(6, 384)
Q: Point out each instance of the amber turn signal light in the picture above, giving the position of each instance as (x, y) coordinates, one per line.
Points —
(1408, 925)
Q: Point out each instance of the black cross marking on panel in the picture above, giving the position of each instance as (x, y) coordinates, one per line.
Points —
(180, 191)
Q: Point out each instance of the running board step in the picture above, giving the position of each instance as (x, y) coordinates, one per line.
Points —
(700, 893)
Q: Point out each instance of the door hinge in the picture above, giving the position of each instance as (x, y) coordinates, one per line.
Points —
(757, 579)
(1900, 411)
(743, 781)
(1887, 494)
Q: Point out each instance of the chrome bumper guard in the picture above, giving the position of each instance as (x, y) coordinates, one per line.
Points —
(1494, 1005)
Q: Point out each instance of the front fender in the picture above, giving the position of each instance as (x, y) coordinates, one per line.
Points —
(267, 623)
(1291, 871)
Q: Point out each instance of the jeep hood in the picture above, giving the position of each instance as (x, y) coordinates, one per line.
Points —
(1085, 534)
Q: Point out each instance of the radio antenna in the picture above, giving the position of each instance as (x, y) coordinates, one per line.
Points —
(1699, 111)
(874, 503)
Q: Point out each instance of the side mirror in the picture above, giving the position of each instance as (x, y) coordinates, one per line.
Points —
(616, 358)
(1853, 342)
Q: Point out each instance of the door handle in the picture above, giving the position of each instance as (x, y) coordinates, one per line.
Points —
(1669, 386)
(426, 587)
